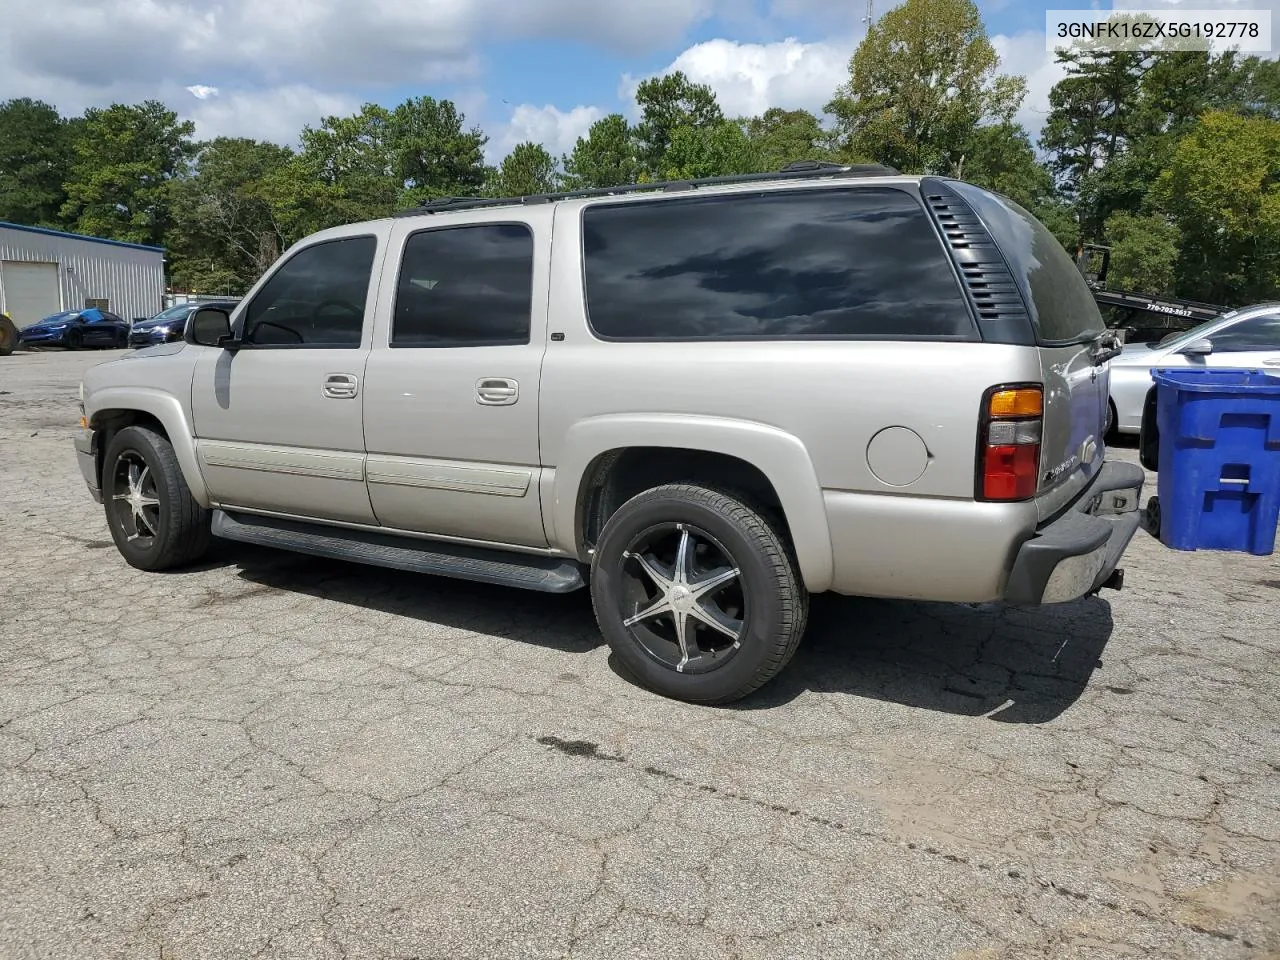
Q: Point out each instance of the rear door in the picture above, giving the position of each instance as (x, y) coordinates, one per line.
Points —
(451, 400)
(1067, 328)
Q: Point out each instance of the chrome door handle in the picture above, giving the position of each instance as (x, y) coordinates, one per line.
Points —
(497, 391)
(1271, 363)
(340, 386)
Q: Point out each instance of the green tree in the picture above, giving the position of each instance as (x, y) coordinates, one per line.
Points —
(667, 103)
(715, 150)
(226, 232)
(1000, 158)
(1222, 192)
(351, 162)
(432, 152)
(35, 154)
(785, 136)
(605, 157)
(1093, 112)
(125, 158)
(1144, 252)
(528, 169)
(921, 80)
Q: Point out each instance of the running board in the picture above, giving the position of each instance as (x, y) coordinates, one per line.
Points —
(546, 574)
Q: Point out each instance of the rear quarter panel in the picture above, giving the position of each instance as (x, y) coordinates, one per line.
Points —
(832, 397)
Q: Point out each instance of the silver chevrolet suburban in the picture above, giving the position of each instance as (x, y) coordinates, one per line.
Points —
(706, 400)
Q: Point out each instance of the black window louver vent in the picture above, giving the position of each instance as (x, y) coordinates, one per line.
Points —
(988, 282)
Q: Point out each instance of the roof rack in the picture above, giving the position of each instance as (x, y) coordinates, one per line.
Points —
(800, 170)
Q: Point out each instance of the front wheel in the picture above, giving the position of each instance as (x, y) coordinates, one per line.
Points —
(697, 594)
(154, 521)
(74, 340)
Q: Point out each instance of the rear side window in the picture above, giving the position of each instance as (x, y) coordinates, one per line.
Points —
(1059, 300)
(843, 263)
(465, 286)
(316, 299)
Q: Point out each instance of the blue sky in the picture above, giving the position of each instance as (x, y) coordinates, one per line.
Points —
(522, 69)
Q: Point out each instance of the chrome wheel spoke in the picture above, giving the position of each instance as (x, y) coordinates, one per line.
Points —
(684, 636)
(141, 515)
(661, 579)
(684, 557)
(661, 605)
(713, 582)
(717, 619)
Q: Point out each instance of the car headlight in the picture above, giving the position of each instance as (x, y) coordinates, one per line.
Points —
(163, 330)
(53, 328)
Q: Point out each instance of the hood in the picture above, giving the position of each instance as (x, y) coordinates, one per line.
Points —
(157, 322)
(159, 350)
(1136, 354)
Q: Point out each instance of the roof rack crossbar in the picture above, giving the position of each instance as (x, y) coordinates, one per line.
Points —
(800, 170)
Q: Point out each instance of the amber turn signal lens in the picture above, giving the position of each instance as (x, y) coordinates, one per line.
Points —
(1023, 402)
(84, 423)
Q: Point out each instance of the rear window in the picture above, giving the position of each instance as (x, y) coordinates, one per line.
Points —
(795, 264)
(1059, 300)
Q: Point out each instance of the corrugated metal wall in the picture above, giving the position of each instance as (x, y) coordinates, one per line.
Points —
(130, 278)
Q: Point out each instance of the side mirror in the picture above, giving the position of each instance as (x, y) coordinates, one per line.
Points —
(210, 327)
(1198, 348)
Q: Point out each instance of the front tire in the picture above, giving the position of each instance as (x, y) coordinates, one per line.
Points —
(697, 594)
(154, 521)
(74, 340)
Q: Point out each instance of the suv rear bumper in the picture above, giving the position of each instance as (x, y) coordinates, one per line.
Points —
(1076, 554)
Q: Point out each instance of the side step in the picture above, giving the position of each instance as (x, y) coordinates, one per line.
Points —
(547, 574)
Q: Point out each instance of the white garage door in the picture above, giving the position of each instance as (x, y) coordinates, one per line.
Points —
(30, 290)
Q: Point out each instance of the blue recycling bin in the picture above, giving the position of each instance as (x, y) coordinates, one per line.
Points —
(1219, 475)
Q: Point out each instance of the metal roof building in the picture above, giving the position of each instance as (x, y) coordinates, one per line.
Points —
(45, 271)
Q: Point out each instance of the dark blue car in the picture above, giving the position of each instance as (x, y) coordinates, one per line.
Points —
(75, 329)
(169, 325)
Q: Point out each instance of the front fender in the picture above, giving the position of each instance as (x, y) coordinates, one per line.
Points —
(168, 410)
(781, 457)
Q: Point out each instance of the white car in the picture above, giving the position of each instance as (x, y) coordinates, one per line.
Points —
(1248, 337)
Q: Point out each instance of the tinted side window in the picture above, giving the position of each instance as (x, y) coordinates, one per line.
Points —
(1059, 300)
(1257, 333)
(316, 299)
(465, 286)
(784, 265)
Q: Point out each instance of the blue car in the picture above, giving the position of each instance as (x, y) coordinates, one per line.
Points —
(75, 329)
(169, 325)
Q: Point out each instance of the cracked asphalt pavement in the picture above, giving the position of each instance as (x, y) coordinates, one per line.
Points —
(274, 756)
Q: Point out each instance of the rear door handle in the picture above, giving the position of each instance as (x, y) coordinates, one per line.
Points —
(497, 391)
(340, 386)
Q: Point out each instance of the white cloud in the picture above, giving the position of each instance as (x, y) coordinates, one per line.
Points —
(276, 114)
(749, 78)
(202, 91)
(557, 130)
(1024, 54)
(319, 42)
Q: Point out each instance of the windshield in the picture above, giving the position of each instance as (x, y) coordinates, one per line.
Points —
(173, 313)
(62, 317)
(1195, 333)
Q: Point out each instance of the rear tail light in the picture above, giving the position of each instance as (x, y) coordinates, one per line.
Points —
(1012, 424)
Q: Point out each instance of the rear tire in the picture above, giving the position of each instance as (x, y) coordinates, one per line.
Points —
(154, 521)
(735, 608)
